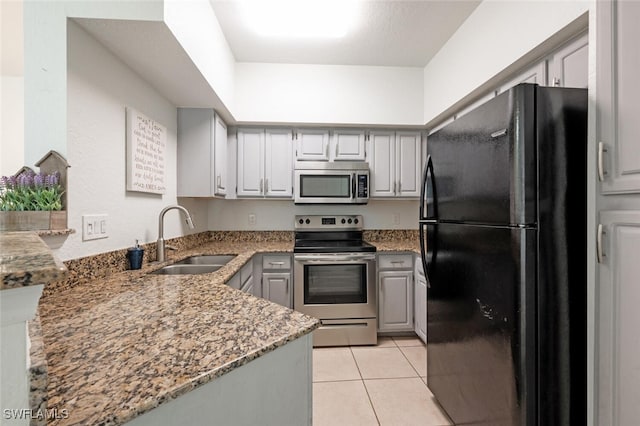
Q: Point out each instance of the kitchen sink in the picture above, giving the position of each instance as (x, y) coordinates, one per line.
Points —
(196, 265)
(208, 259)
(186, 269)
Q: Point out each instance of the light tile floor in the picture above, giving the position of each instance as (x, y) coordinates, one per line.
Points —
(374, 385)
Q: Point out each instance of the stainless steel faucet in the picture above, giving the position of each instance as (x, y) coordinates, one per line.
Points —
(160, 243)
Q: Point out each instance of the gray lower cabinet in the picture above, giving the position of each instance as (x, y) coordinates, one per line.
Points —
(395, 288)
(420, 300)
(277, 283)
(618, 299)
(243, 279)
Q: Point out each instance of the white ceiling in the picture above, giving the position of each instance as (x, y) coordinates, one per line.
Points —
(387, 33)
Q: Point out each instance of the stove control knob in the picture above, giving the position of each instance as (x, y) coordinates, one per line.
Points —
(343, 221)
(301, 221)
(349, 221)
(307, 221)
(355, 221)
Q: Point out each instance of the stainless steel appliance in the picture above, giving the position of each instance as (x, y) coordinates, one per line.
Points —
(503, 236)
(335, 279)
(343, 182)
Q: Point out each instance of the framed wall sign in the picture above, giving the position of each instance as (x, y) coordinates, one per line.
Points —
(146, 144)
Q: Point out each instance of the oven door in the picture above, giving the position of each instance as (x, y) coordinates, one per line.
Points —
(335, 285)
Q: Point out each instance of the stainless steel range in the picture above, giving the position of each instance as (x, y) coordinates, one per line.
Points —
(335, 279)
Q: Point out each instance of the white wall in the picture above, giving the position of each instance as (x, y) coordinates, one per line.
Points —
(233, 215)
(45, 62)
(11, 88)
(332, 94)
(496, 34)
(100, 86)
(12, 128)
(196, 27)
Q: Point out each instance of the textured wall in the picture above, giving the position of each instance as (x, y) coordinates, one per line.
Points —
(100, 86)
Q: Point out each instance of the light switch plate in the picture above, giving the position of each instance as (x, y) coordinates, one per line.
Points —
(94, 226)
(252, 219)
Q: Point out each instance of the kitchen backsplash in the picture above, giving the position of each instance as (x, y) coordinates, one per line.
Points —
(104, 264)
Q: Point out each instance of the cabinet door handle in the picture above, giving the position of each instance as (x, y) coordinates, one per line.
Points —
(401, 262)
(266, 185)
(601, 172)
(394, 187)
(336, 149)
(261, 186)
(399, 187)
(276, 263)
(218, 180)
(327, 151)
(599, 248)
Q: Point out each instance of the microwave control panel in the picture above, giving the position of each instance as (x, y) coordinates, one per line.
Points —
(363, 186)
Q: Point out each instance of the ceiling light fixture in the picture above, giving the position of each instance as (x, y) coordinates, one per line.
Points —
(300, 18)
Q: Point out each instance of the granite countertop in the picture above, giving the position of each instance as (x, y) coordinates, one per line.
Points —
(26, 260)
(119, 346)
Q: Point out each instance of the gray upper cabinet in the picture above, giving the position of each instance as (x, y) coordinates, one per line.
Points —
(395, 163)
(202, 153)
(312, 144)
(535, 74)
(265, 163)
(250, 169)
(348, 145)
(617, 92)
(569, 66)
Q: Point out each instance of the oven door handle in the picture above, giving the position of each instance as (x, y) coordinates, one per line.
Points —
(339, 258)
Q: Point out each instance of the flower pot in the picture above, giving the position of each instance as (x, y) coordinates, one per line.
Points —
(33, 220)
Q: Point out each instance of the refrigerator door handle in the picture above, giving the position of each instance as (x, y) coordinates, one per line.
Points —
(423, 250)
(428, 171)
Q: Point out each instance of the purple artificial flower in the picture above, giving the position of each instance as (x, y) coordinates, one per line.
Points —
(25, 180)
(39, 180)
(54, 179)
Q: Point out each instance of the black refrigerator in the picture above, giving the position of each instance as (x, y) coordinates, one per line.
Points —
(503, 241)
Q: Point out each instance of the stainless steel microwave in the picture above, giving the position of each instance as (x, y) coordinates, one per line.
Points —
(318, 182)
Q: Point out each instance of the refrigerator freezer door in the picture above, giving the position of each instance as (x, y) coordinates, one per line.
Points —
(484, 164)
(481, 322)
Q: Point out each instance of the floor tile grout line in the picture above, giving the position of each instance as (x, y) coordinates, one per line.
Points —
(409, 361)
(337, 381)
(364, 386)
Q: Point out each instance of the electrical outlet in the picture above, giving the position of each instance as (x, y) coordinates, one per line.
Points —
(395, 219)
(252, 219)
(94, 226)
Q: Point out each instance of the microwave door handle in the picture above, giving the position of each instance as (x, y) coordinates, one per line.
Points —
(353, 186)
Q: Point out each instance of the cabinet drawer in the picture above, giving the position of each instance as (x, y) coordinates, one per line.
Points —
(276, 261)
(395, 261)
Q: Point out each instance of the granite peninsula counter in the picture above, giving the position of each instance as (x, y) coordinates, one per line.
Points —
(121, 345)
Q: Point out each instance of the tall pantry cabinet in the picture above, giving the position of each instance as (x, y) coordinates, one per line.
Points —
(617, 294)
